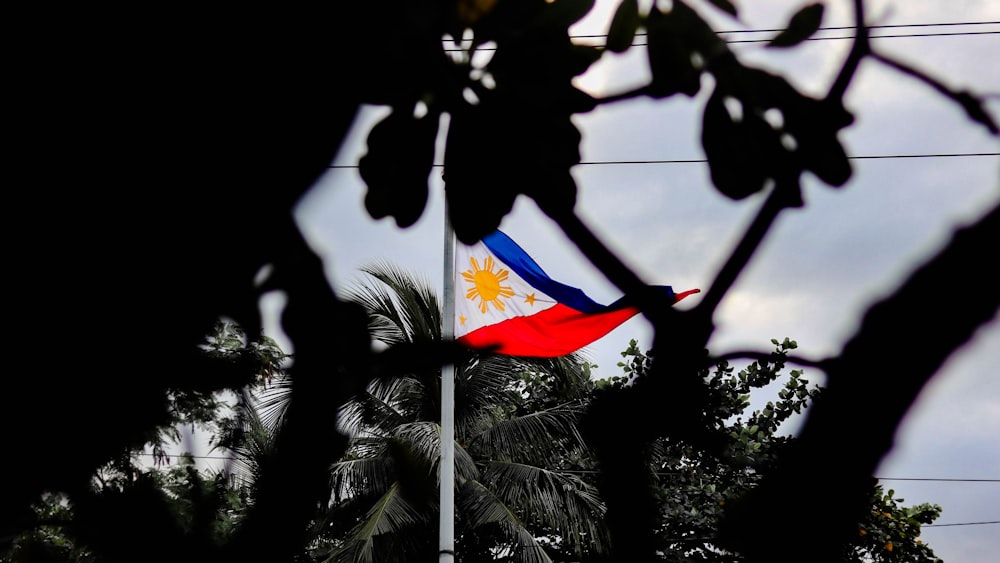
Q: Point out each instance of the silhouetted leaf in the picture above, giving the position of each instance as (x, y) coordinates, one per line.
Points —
(742, 153)
(565, 13)
(726, 6)
(481, 179)
(802, 25)
(395, 169)
(974, 109)
(670, 51)
(577, 101)
(805, 138)
(735, 171)
(623, 26)
(553, 148)
(539, 60)
(823, 155)
(814, 125)
(578, 58)
(500, 149)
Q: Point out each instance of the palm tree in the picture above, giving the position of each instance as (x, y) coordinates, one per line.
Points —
(511, 502)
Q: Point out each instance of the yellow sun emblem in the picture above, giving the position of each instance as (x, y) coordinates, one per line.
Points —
(486, 284)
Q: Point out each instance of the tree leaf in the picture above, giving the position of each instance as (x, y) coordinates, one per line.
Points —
(477, 160)
(669, 50)
(483, 143)
(623, 26)
(726, 6)
(565, 13)
(803, 24)
(741, 153)
(395, 169)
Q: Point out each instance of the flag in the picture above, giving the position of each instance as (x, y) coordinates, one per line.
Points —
(506, 303)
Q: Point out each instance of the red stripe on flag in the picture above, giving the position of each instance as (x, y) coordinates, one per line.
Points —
(556, 331)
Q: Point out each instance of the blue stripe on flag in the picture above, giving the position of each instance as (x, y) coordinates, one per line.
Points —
(523, 265)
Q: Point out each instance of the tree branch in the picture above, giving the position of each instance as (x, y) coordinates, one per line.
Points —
(616, 271)
(870, 390)
(744, 251)
(972, 105)
(627, 95)
(859, 50)
(766, 357)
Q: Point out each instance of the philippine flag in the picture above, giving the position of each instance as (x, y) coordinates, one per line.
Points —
(505, 303)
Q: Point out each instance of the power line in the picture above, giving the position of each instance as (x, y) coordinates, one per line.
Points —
(841, 37)
(699, 160)
(824, 28)
(960, 524)
(859, 157)
(767, 40)
(931, 479)
(709, 540)
(941, 155)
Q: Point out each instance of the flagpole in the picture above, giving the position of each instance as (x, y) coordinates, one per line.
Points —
(446, 466)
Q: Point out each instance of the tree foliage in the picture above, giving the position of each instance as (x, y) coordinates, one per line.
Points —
(525, 491)
(191, 505)
(157, 169)
(694, 490)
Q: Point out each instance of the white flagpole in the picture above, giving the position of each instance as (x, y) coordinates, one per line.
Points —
(446, 466)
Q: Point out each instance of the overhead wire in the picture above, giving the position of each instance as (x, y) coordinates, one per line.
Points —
(702, 160)
(775, 30)
(829, 28)
(899, 36)
(960, 524)
(487, 48)
(813, 38)
(858, 157)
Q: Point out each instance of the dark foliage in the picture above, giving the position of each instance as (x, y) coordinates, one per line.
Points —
(158, 155)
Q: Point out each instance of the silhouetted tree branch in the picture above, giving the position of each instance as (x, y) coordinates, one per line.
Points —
(869, 391)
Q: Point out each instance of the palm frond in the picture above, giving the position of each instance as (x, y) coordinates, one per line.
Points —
(465, 466)
(492, 387)
(489, 382)
(422, 314)
(370, 414)
(537, 436)
(415, 396)
(559, 503)
(361, 477)
(483, 509)
(366, 446)
(402, 308)
(397, 389)
(489, 390)
(570, 375)
(273, 402)
(251, 441)
(422, 439)
(391, 515)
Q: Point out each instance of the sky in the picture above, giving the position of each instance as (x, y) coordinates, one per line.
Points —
(820, 267)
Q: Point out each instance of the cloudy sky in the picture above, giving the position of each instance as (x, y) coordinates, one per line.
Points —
(822, 265)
